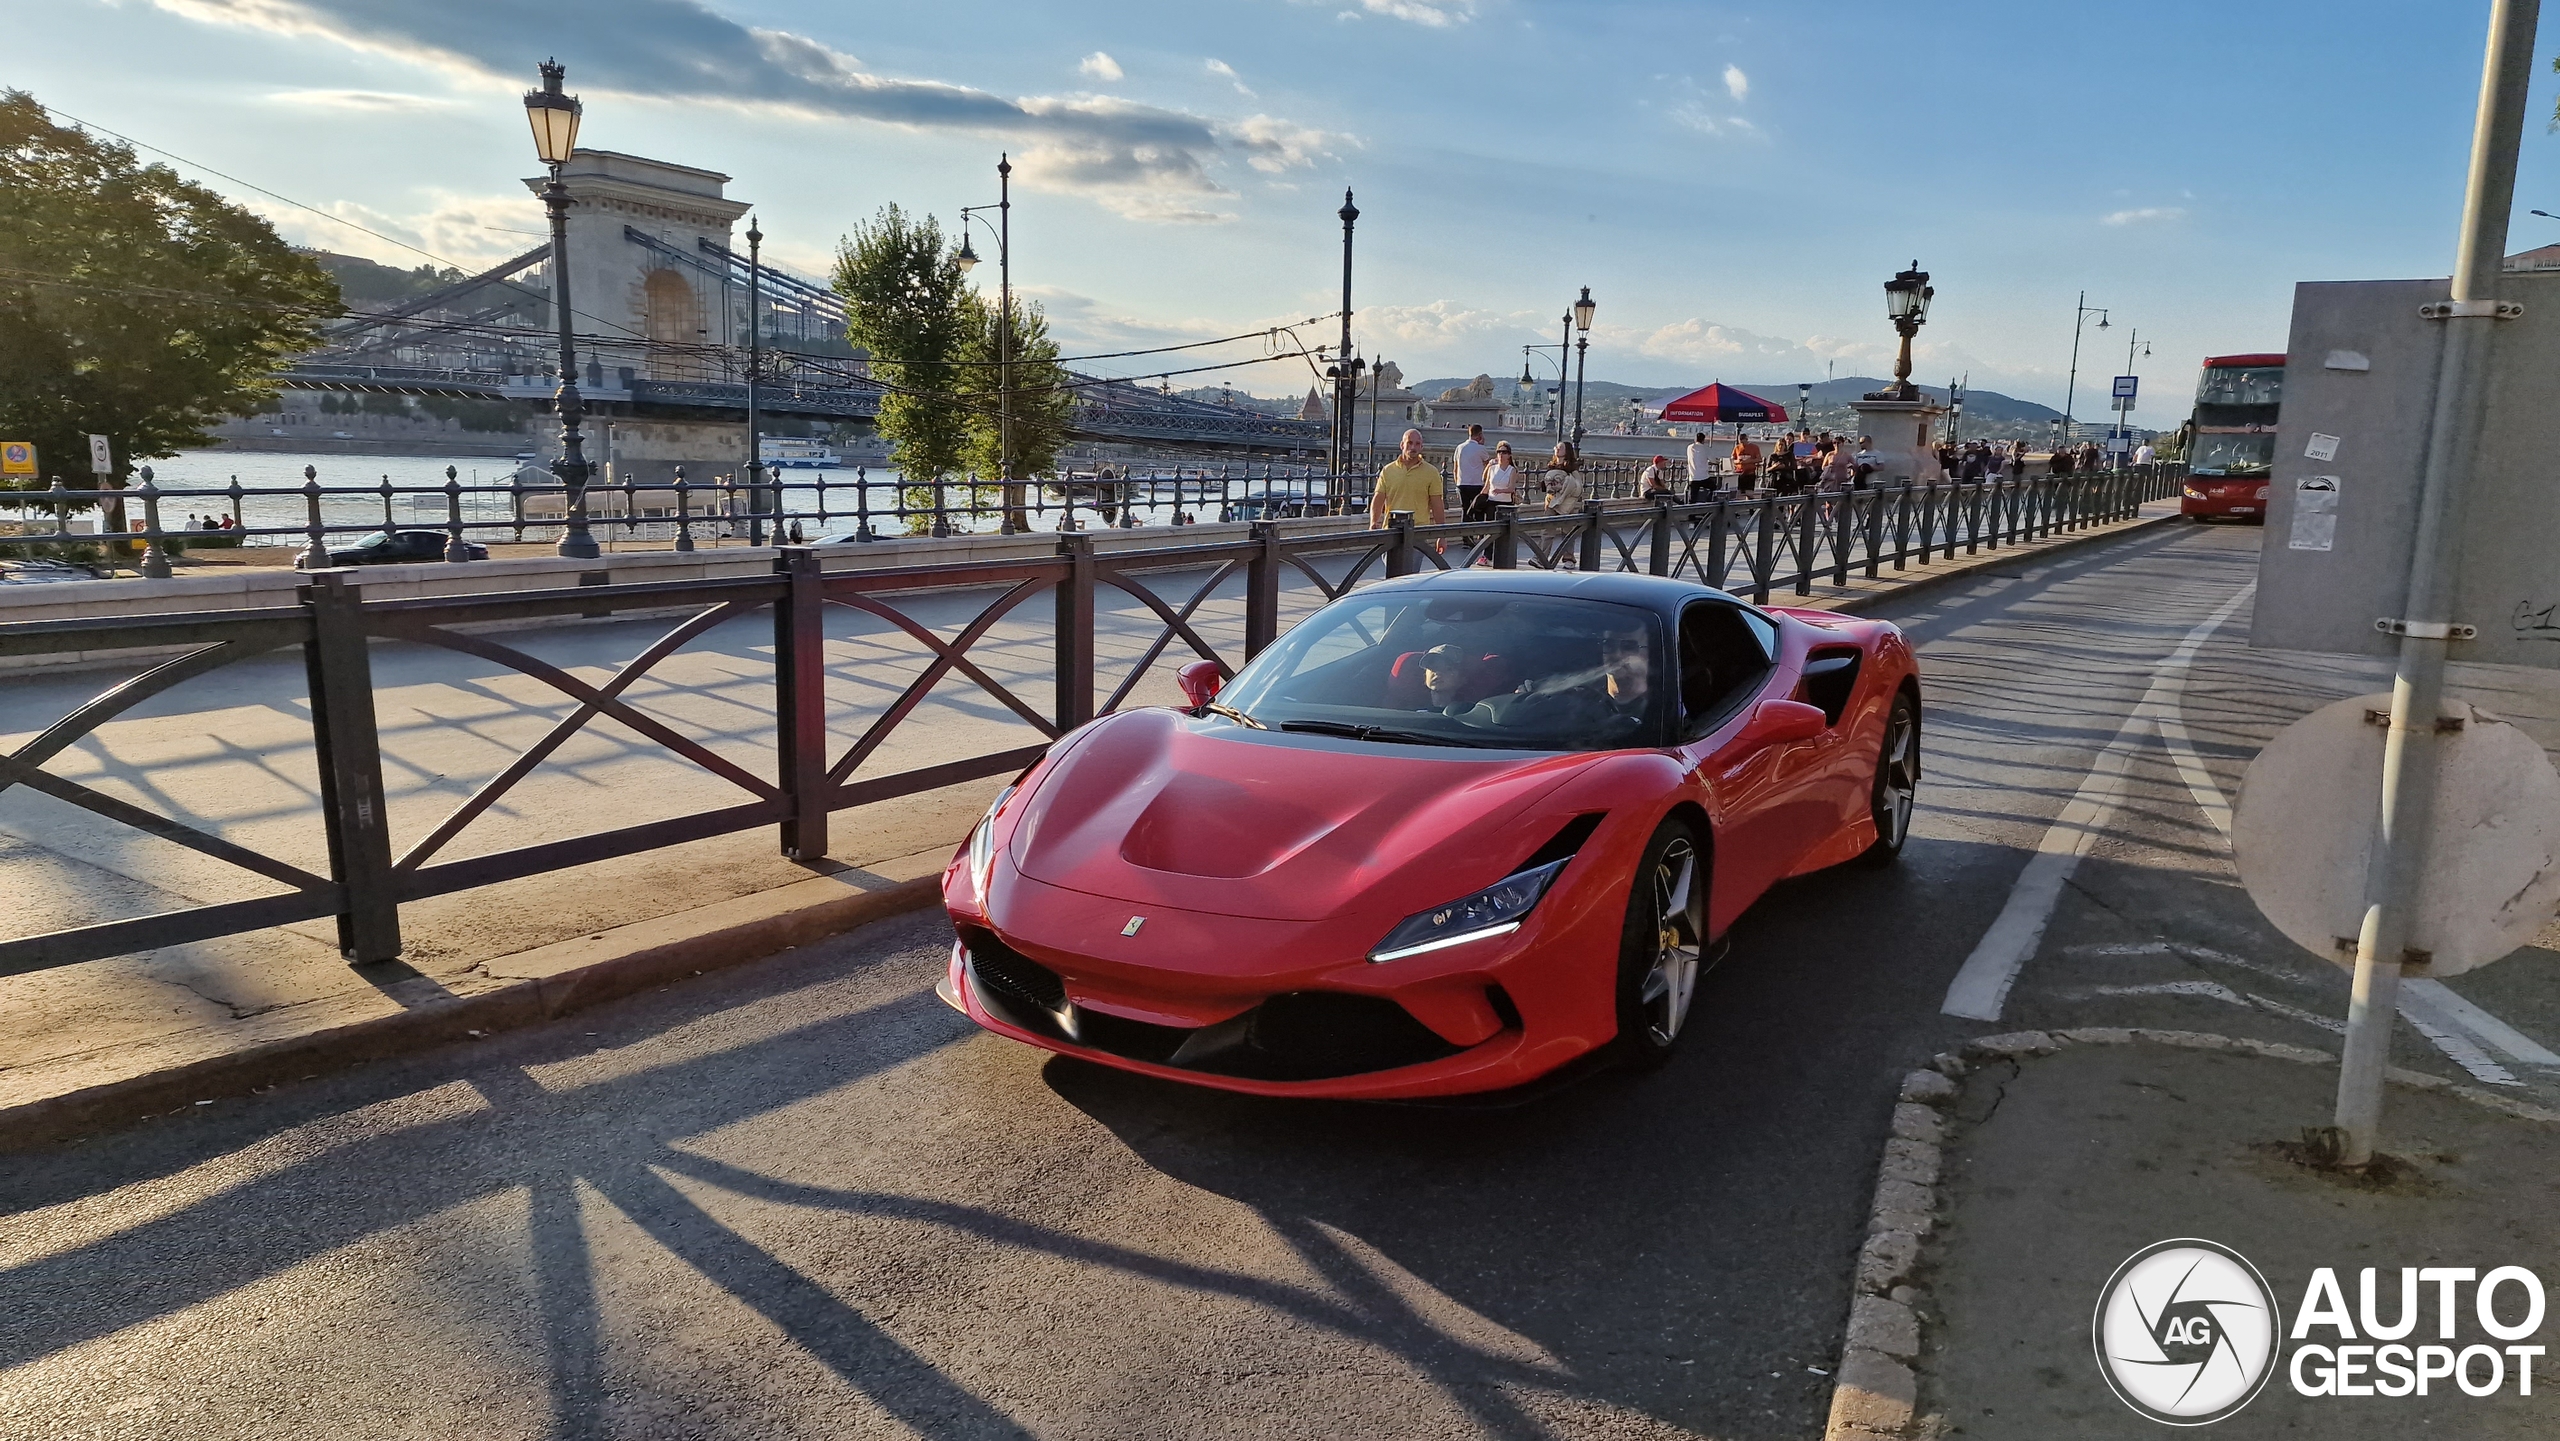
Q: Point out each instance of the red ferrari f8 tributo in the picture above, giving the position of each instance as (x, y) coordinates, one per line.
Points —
(1446, 835)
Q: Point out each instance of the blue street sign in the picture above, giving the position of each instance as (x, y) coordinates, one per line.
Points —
(2125, 386)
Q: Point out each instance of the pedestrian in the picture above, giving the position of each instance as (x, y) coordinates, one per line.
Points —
(1840, 467)
(2017, 460)
(1564, 485)
(2143, 454)
(1746, 464)
(1867, 461)
(1657, 481)
(1467, 468)
(1501, 483)
(2060, 461)
(1702, 468)
(1407, 483)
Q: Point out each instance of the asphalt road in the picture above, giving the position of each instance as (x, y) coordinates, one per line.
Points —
(807, 1200)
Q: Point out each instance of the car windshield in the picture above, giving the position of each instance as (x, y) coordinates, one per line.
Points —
(379, 537)
(2234, 454)
(1462, 668)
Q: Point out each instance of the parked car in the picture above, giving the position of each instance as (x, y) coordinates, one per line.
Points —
(1445, 836)
(398, 547)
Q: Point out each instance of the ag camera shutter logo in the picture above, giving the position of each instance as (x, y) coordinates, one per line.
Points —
(2186, 1332)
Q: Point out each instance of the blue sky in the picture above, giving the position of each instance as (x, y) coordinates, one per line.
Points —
(1734, 182)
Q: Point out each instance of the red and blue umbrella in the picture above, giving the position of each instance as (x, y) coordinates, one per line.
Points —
(1721, 403)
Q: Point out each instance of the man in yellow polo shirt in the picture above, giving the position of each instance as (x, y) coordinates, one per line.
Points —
(1407, 483)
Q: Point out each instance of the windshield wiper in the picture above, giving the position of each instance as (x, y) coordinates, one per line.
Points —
(1231, 713)
(1349, 731)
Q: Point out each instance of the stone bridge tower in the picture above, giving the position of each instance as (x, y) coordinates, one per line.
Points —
(644, 306)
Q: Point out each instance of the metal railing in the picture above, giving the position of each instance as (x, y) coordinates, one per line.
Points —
(682, 511)
(1754, 546)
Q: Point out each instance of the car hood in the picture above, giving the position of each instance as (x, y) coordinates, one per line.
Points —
(1155, 807)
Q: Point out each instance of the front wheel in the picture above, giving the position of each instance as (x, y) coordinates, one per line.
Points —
(1660, 951)
(1897, 784)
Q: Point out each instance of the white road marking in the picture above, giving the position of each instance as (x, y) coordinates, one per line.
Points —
(2461, 1013)
(1981, 986)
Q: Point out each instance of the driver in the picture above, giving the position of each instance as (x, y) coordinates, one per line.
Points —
(1606, 700)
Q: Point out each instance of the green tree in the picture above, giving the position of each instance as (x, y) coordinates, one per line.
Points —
(133, 304)
(902, 292)
(1042, 404)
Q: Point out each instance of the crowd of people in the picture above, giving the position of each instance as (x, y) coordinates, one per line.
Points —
(1486, 477)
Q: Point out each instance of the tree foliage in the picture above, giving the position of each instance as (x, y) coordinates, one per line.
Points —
(901, 288)
(1042, 405)
(133, 304)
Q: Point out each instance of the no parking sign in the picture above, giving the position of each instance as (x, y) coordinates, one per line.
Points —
(17, 457)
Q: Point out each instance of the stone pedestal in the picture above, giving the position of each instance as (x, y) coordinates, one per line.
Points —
(1905, 430)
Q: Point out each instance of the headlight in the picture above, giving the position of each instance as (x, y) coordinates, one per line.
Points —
(982, 845)
(1494, 911)
(2262, 492)
(2195, 494)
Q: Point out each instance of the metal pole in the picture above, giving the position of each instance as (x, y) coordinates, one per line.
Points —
(1561, 347)
(755, 364)
(1581, 368)
(1004, 343)
(1341, 452)
(2417, 685)
(571, 467)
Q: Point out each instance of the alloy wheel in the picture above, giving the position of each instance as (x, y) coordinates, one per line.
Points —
(1898, 782)
(1673, 979)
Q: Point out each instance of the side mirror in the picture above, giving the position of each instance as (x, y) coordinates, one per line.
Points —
(1780, 722)
(1200, 681)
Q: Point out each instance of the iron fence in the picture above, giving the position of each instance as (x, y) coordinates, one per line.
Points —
(1754, 546)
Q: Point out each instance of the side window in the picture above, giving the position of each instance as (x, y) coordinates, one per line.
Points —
(1725, 654)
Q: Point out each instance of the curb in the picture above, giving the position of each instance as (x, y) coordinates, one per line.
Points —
(1876, 1390)
(1949, 573)
(532, 988)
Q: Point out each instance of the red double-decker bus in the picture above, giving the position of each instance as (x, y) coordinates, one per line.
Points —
(2231, 440)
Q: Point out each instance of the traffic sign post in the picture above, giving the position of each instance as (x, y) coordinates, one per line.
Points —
(17, 457)
(102, 456)
(2449, 366)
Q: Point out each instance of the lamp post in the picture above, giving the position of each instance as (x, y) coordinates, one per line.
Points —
(1582, 312)
(554, 117)
(2070, 387)
(1529, 381)
(757, 502)
(1906, 304)
(1346, 376)
(1014, 521)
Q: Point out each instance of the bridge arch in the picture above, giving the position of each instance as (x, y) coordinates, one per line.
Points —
(673, 313)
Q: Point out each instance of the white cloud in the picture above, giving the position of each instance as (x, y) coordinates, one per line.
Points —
(1737, 84)
(1434, 13)
(1694, 107)
(1145, 161)
(2146, 215)
(1227, 72)
(378, 101)
(467, 230)
(1100, 67)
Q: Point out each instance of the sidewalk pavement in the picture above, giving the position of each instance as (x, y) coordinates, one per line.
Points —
(2058, 1167)
(106, 1042)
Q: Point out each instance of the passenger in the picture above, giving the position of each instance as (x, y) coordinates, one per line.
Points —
(1606, 702)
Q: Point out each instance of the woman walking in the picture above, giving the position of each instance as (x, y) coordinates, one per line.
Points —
(1564, 486)
(1501, 485)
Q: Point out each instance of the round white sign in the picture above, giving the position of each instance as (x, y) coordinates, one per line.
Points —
(2310, 812)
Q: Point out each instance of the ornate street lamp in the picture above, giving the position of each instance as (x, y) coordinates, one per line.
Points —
(1582, 311)
(967, 259)
(554, 117)
(1906, 304)
(2071, 386)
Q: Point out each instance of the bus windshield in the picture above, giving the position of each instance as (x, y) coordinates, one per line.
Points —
(2241, 385)
(2233, 454)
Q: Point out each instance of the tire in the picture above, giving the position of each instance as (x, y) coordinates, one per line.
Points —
(1661, 952)
(1897, 783)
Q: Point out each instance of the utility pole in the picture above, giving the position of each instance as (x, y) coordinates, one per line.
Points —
(2409, 752)
(1012, 490)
